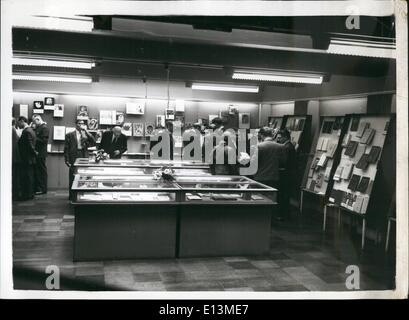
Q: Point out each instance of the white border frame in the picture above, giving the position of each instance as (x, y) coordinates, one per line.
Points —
(14, 11)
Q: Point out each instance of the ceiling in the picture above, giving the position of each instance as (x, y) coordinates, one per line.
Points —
(209, 48)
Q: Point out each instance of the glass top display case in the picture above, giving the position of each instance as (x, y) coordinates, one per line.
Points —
(122, 189)
(138, 163)
(225, 189)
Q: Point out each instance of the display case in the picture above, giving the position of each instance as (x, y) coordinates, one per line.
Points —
(224, 215)
(124, 217)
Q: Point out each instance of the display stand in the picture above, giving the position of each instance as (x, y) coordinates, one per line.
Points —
(275, 122)
(324, 158)
(364, 179)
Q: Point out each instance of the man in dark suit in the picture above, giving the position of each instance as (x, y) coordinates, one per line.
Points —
(28, 154)
(16, 167)
(41, 177)
(287, 173)
(76, 146)
(114, 143)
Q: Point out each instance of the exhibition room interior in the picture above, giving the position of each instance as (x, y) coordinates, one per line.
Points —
(138, 223)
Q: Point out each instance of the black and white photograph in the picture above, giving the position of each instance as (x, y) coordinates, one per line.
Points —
(279, 179)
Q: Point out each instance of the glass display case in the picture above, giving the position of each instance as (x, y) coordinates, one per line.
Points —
(139, 163)
(120, 189)
(218, 189)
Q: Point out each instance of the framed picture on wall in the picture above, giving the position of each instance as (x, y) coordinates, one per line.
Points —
(49, 103)
(82, 113)
(24, 110)
(135, 107)
(127, 129)
(98, 136)
(160, 121)
(58, 111)
(92, 124)
(59, 133)
(38, 107)
(244, 120)
(138, 129)
(149, 129)
(170, 114)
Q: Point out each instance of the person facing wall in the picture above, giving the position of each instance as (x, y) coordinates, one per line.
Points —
(16, 162)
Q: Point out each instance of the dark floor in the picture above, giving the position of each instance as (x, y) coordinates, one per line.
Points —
(301, 258)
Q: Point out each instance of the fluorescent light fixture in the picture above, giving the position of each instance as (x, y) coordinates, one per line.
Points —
(224, 87)
(80, 24)
(279, 76)
(52, 63)
(365, 48)
(51, 78)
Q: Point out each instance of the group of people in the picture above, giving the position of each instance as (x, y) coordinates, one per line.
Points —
(29, 154)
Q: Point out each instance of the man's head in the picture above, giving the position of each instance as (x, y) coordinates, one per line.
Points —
(116, 131)
(283, 136)
(265, 132)
(22, 122)
(38, 121)
(79, 124)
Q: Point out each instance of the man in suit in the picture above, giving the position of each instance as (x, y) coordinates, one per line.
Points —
(76, 146)
(28, 154)
(16, 167)
(114, 143)
(41, 177)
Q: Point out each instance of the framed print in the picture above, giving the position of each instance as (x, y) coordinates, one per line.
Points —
(244, 120)
(149, 129)
(135, 107)
(38, 107)
(82, 113)
(105, 117)
(170, 114)
(59, 133)
(49, 103)
(127, 129)
(120, 118)
(92, 124)
(138, 129)
(160, 121)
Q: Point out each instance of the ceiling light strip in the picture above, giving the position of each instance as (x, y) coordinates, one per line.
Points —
(52, 63)
(278, 78)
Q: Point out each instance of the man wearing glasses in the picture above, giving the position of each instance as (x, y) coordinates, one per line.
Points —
(76, 146)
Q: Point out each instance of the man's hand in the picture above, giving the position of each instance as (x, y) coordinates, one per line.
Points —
(117, 152)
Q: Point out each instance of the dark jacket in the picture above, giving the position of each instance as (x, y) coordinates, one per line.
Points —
(26, 146)
(224, 168)
(71, 147)
(110, 146)
(14, 144)
(269, 156)
(42, 133)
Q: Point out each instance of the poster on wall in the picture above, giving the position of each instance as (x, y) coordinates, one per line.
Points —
(59, 133)
(82, 113)
(98, 136)
(244, 120)
(58, 110)
(24, 110)
(170, 114)
(180, 106)
(138, 129)
(127, 129)
(92, 124)
(120, 118)
(149, 129)
(160, 121)
(49, 103)
(232, 109)
(38, 107)
(135, 107)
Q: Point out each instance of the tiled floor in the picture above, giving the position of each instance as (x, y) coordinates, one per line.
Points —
(301, 258)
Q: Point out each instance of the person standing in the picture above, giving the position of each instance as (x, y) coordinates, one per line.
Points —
(28, 155)
(16, 162)
(41, 176)
(114, 143)
(76, 146)
(287, 177)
